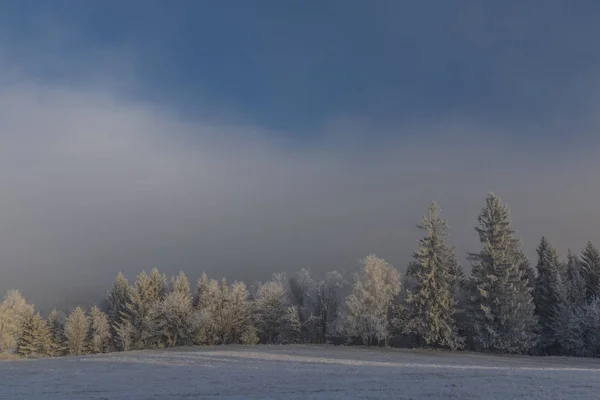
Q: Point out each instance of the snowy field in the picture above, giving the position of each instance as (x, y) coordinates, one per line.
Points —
(299, 372)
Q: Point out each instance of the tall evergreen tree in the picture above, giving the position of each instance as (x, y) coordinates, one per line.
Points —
(239, 310)
(271, 311)
(100, 332)
(181, 284)
(117, 298)
(575, 280)
(207, 303)
(145, 294)
(590, 266)
(527, 271)
(175, 318)
(14, 311)
(432, 303)
(548, 292)
(501, 304)
(58, 340)
(77, 329)
(35, 338)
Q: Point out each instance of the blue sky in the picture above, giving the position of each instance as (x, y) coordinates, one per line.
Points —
(243, 138)
(293, 65)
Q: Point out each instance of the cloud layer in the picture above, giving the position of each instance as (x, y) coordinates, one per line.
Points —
(92, 185)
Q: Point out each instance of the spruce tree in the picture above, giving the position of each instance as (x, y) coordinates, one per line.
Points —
(202, 298)
(35, 339)
(25, 341)
(77, 329)
(182, 285)
(527, 271)
(590, 266)
(118, 297)
(548, 292)
(575, 280)
(100, 332)
(58, 341)
(14, 311)
(501, 304)
(145, 294)
(239, 310)
(432, 303)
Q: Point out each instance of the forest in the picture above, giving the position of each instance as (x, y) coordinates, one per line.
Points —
(503, 304)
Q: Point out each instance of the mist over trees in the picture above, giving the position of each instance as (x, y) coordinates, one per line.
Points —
(504, 304)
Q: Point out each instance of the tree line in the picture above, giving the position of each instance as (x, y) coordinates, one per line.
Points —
(503, 304)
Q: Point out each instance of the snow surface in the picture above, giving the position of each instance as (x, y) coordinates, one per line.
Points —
(299, 372)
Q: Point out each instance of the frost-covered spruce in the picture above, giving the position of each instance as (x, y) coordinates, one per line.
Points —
(14, 311)
(181, 284)
(100, 332)
(501, 304)
(77, 329)
(239, 313)
(583, 330)
(206, 304)
(431, 304)
(35, 337)
(118, 297)
(58, 340)
(146, 293)
(549, 292)
(590, 266)
(575, 280)
(174, 318)
(271, 306)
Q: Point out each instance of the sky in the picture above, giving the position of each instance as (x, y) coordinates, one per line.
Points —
(244, 138)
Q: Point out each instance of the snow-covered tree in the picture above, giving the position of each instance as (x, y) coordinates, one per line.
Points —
(571, 294)
(238, 314)
(58, 340)
(77, 329)
(100, 332)
(527, 271)
(124, 335)
(328, 301)
(35, 338)
(303, 293)
(181, 284)
(250, 336)
(118, 297)
(575, 280)
(272, 313)
(583, 337)
(175, 318)
(501, 305)
(157, 285)
(431, 305)
(549, 292)
(203, 294)
(590, 266)
(14, 311)
(145, 294)
(292, 326)
(207, 303)
(369, 304)
(226, 313)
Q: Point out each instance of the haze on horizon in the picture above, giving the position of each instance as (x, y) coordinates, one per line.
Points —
(245, 140)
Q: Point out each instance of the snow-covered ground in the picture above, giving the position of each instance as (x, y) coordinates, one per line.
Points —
(299, 372)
